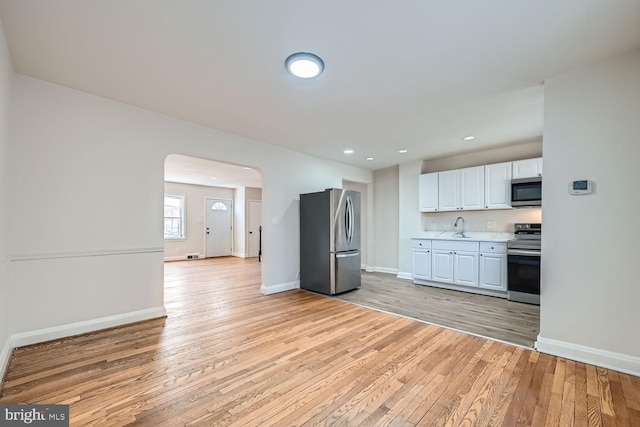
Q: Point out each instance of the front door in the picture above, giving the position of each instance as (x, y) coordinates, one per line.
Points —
(218, 228)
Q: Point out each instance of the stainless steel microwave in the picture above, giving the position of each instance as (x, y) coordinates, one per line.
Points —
(526, 192)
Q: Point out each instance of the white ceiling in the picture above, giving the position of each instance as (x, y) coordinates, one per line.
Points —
(191, 170)
(414, 74)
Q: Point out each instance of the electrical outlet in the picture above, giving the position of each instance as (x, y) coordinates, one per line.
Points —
(491, 224)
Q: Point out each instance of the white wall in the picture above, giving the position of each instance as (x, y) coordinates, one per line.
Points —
(87, 214)
(364, 217)
(385, 206)
(590, 271)
(195, 196)
(6, 72)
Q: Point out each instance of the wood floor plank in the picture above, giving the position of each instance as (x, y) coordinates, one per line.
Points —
(228, 356)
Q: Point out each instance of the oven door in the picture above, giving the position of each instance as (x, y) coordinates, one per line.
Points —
(523, 275)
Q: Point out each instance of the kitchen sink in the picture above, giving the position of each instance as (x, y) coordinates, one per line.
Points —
(460, 236)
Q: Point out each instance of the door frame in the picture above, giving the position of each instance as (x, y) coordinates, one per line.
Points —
(248, 224)
(206, 215)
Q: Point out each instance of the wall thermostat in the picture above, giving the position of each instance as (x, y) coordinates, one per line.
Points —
(583, 186)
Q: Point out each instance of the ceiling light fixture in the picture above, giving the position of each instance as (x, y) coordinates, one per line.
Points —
(469, 138)
(213, 177)
(403, 151)
(304, 65)
(369, 158)
(348, 151)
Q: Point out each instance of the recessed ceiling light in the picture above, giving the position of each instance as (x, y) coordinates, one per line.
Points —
(213, 177)
(403, 151)
(247, 168)
(348, 151)
(469, 138)
(304, 65)
(369, 158)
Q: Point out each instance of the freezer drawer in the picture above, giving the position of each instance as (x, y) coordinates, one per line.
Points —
(347, 274)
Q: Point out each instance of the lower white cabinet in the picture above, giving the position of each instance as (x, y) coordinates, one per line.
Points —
(470, 265)
(422, 264)
(442, 266)
(493, 266)
(465, 268)
(421, 259)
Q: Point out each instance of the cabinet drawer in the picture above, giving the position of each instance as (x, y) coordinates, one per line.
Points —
(493, 247)
(420, 244)
(454, 245)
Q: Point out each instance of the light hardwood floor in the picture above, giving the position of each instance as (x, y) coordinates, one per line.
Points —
(227, 355)
(491, 317)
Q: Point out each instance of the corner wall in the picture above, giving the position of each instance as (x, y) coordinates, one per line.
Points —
(6, 73)
(590, 268)
(385, 206)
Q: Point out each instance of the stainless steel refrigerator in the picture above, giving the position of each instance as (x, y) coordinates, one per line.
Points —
(330, 241)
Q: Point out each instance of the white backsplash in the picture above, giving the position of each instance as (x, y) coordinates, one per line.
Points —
(477, 220)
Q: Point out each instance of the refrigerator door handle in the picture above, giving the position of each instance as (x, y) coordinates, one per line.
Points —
(347, 255)
(348, 214)
(346, 219)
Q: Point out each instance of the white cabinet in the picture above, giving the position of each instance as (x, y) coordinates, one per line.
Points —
(428, 192)
(442, 266)
(497, 185)
(455, 262)
(449, 190)
(465, 268)
(472, 188)
(422, 259)
(478, 267)
(493, 266)
(529, 168)
(461, 189)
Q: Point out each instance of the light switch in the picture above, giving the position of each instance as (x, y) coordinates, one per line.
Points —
(274, 220)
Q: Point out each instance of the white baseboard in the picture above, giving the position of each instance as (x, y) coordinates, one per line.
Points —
(239, 254)
(175, 258)
(279, 287)
(5, 356)
(404, 275)
(382, 270)
(593, 356)
(62, 331)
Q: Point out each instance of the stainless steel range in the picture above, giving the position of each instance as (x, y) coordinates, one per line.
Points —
(523, 261)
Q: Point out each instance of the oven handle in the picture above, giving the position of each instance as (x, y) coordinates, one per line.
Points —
(522, 252)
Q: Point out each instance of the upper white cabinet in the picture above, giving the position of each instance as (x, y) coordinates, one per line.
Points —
(449, 190)
(529, 168)
(472, 188)
(461, 189)
(428, 192)
(475, 188)
(497, 186)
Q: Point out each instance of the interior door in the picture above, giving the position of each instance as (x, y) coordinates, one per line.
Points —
(218, 228)
(255, 221)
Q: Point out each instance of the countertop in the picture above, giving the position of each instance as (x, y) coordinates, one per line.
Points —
(471, 236)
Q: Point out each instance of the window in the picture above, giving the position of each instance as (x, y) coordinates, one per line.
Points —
(219, 206)
(174, 217)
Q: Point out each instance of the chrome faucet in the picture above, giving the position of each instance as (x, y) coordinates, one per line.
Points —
(461, 232)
